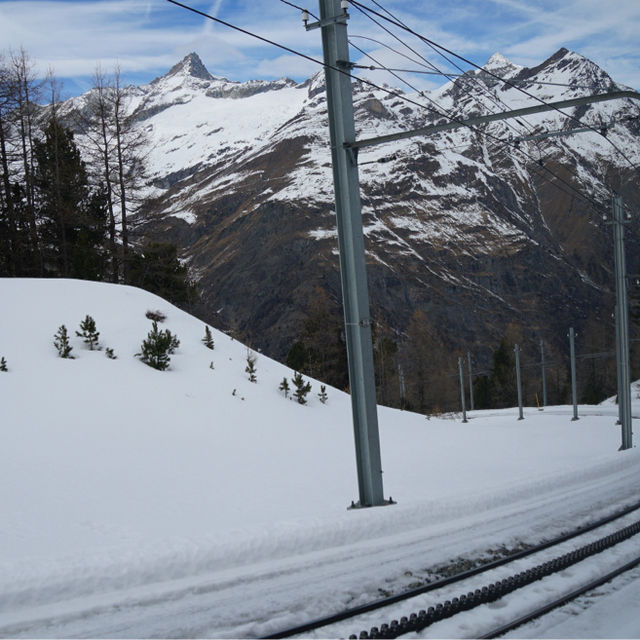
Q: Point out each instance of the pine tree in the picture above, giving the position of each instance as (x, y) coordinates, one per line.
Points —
(251, 366)
(61, 343)
(174, 343)
(323, 394)
(157, 348)
(208, 338)
(89, 333)
(3, 364)
(110, 354)
(72, 217)
(302, 388)
(156, 267)
(284, 387)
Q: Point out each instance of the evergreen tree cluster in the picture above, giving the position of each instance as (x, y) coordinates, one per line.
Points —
(89, 334)
(301, 388)
(320, 350)
(67, 214)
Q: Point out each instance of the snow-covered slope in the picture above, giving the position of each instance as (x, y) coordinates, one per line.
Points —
(137, 502)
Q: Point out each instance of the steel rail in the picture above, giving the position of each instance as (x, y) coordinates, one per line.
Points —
(443, 582)
(490, 593)
(561, 601)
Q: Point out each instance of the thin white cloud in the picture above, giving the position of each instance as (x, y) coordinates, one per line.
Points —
(151, 35)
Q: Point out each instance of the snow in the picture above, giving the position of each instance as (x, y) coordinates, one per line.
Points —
(192, 502)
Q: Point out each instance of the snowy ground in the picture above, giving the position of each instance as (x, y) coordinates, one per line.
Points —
(194, 503)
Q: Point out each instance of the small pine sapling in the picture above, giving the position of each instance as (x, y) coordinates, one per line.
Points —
(3, 364)
(173, 342)
(251, 366)
(211, 365)
(110, 354)
(208, 338)
(323, 394)
(89, 333)
(302, 388)
(284, 387)
(61, 343)
(157, 347)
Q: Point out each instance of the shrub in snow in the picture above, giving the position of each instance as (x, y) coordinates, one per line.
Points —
(211, 365)
(284, 387)
(302, 388)
(3, 364)
(208, 338)
(61, 343)
(89, 333)
(156, 316)
(251, 366)
(109, 352)
(323, 394)
(157, 348)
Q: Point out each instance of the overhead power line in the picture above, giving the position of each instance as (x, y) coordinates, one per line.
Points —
(386, 46)
(494, 98)
(374, 68)
(490, 73)
(450, 76)
(389, 92)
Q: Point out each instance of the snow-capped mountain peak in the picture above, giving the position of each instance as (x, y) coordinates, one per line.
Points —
(190, 65)
(498, 64)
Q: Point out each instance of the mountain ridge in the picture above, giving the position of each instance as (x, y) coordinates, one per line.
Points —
(463, 227)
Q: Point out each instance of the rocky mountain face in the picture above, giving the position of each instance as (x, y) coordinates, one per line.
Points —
(469, 236)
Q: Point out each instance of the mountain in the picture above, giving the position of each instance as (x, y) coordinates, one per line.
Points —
(468, 237)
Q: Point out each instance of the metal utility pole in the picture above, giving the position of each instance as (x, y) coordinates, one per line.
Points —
(516, 348)
(464, 408)
(470, 381)
(572, 350)
(618, 361)
(622, 324)
(403, 389)
(355, 296)
(544, 375)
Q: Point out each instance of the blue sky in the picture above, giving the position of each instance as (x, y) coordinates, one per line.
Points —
(146, 37)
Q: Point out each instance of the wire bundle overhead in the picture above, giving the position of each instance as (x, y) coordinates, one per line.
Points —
(433, 108)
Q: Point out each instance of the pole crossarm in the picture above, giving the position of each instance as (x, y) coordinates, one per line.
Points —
(492, 117)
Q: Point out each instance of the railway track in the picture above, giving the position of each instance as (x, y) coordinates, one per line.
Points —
(485, 593)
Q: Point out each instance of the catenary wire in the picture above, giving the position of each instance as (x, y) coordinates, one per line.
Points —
(485, 90)
(493, 75)
(377, 87)
(295, 6)
(554, 143)
(453, 118)
(560, 147)
(496, 100)
(449, 76)
(390, 48)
